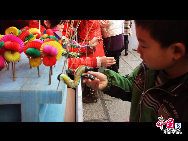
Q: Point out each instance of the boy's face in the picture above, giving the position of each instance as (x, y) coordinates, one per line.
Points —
(151, 52)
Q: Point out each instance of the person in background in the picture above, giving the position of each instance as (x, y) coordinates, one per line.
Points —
(113, 37)
(88, 30)
(127, 33)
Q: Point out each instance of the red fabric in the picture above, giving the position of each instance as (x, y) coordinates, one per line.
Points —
(74, 63)
(95, 31)
(67, 29)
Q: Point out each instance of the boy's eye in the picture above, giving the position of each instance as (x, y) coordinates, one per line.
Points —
(143, 47)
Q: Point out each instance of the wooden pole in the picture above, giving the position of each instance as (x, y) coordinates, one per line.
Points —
(38, 71)
(49, 76)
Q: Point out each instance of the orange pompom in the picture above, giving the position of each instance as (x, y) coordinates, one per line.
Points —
(12, 46)
(49, 61)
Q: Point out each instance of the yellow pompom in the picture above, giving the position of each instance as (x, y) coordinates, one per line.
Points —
(1, 36)
(12, 56)
(45, 36)
(54, 44)
(35, 62)
(34, 30)
(12, 30)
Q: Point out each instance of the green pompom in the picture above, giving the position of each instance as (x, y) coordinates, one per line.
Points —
(28, 37)
(33, 52)
(1, 44)
(53, 37)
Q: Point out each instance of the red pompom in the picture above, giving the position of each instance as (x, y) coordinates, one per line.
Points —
(47, 40)
(24, 34)
(32, 44)
(12, 46)
(38, 35)
(50, 32)
(49, 61)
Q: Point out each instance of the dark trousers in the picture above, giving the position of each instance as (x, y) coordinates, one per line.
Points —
(113, 47)
(116, 56)
(126, 42)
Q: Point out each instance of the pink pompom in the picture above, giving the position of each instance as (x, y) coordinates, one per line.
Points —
(2, 62)
(13, 38)
(50, 50)
(38, 40)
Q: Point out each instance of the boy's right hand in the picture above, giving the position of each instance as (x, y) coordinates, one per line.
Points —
(99, 83)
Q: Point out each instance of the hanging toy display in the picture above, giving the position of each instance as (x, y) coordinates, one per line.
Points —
(76, 47)
(32, 51)
(13, 47)
(77, 75)
(51, 52)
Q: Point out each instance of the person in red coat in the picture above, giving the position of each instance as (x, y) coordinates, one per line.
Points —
(89, 31)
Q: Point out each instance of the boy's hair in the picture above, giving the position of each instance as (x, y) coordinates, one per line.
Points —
(166, 32)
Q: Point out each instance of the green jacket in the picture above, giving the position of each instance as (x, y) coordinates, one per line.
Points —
(148, 102)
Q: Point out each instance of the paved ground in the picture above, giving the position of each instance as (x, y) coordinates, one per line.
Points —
(107, 108)
(110, 109)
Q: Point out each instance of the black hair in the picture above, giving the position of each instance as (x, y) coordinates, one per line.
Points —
(166, 32)
(53, 23)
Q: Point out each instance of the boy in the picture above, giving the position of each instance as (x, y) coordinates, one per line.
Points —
(159, 85)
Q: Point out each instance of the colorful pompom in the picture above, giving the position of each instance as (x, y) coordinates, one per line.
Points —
(12, 30)
(35, 62)
(56, 45)
(2, 62)
(1, 36)
(50, 32)
(24, 34)
(33, 52)
(12, 46)
(12, 56)
(33, 44)
(50, 50)
(13, 38)
(49, 61)
(1, 44)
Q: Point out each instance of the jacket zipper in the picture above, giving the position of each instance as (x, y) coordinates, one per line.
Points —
(142, 95)
(144, 92)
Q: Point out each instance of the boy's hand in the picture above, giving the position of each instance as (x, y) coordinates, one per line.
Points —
(107, 61)
(99, 83)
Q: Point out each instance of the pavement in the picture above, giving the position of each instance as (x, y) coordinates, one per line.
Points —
(111, 109)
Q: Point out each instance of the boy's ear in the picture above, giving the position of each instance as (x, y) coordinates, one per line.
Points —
(179, 50)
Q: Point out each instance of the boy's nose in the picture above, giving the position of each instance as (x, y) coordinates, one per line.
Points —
(139, 50)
